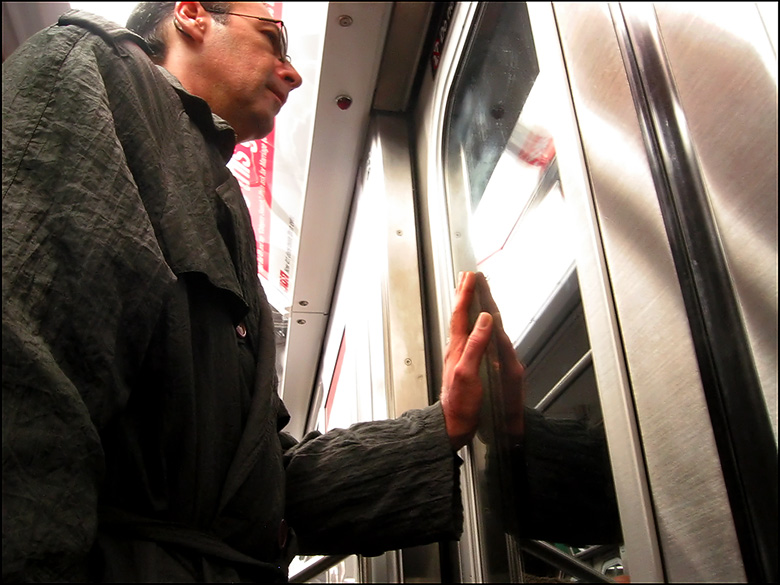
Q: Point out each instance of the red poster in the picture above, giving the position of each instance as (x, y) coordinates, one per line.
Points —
(537, 147)
(275, 8)
(253, 166)
(334, 382)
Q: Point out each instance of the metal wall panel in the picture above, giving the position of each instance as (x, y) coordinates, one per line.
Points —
(673, 397)
(642, 555)
(734, 134)
(711, 53)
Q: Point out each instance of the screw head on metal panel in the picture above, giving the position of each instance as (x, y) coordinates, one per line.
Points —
(345, 20)
(301, 321)
(343, 102)
(303, 303)
(408, 361)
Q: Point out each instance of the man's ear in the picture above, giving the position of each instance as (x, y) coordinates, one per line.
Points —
(191, 20)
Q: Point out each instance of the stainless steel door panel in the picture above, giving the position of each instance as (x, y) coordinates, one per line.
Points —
(734, 134)
(697, 535)
(641, 556)
(727, 358)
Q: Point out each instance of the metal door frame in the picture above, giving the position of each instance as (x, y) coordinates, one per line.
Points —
(672, 494)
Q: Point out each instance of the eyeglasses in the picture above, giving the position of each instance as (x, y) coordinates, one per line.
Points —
(280, 41)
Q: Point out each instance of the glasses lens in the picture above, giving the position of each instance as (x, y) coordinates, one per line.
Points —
(283, 39)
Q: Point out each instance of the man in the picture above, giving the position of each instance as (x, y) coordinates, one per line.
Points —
(141, 424)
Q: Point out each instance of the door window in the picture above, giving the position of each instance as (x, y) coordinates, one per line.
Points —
(546, 492)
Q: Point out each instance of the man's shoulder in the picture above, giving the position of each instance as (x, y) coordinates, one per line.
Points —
(107, 30)
(79, 38)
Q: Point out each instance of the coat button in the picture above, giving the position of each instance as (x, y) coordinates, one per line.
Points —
(283, 530)
(241, 330)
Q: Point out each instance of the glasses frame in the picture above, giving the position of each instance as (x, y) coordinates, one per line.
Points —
(283, 44)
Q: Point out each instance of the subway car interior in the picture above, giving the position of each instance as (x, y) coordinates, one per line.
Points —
(611, 170)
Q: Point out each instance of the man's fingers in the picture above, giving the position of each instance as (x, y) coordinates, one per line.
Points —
(459, 322)
(506, 350)
(511, 368)
(476, 343)
(465, 291)
(485, 296)
(462, 390)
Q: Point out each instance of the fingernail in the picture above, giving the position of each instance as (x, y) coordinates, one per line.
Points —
(483, 321)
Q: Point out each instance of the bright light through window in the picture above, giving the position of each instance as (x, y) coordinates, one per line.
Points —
(115, 11)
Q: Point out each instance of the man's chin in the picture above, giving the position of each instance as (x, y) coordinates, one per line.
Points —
(257, 132)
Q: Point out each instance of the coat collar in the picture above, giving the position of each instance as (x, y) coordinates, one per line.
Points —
(214, 128)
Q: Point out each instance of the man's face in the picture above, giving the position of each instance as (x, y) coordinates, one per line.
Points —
(248, 83)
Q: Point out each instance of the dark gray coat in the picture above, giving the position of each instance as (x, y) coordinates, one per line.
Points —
(141, 433)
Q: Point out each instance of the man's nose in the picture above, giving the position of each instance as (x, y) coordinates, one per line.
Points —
(290, 75)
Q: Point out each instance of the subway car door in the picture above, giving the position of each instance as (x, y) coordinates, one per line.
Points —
(612, 171)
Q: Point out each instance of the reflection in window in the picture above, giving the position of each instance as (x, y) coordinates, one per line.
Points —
(508, 219)
(346, 571)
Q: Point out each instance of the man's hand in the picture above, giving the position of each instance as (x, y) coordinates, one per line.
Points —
(461, 393)
(511, 371)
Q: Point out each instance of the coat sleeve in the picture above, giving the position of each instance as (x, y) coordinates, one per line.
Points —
(377, 486)
(558, 487)
(80, 266)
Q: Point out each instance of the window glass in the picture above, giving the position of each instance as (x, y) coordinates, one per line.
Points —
(549, 479)
(347, 571)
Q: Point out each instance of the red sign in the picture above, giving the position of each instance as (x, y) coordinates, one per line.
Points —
(438, 44)
(253, 165)
(275, 8)
(334, 382)
(537, 148)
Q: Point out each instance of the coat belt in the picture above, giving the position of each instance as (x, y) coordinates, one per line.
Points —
(122, 522)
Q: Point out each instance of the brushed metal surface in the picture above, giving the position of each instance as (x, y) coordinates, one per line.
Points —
(408, 25)
(642, 554)
(407, 383)
(726, 75)
(735, 396)
(696, 531)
